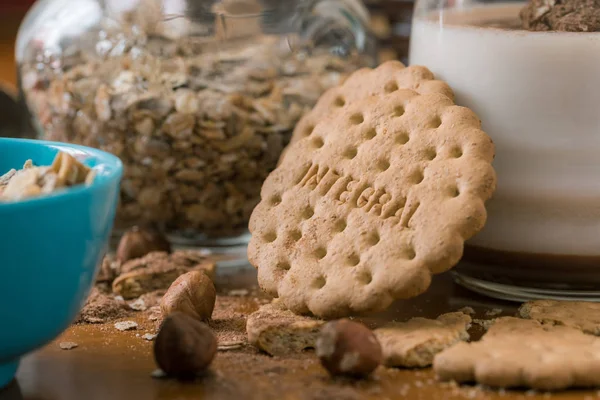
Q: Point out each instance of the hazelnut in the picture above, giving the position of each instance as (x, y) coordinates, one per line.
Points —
(348, 348)
(193, 294)
(184, 347)
(138, 242)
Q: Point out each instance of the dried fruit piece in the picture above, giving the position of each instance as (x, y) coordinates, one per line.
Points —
(184, 347)
(348, 348)
(193, 294)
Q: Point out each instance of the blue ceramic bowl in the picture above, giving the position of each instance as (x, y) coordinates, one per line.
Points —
(50, 249)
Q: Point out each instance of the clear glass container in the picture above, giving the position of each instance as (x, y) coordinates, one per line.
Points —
(533, 87)
(197, 97)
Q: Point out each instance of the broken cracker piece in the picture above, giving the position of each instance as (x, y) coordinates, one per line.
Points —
(278, 331)
(415, 343)
(581, 315)
(157, 271)
(524, 353)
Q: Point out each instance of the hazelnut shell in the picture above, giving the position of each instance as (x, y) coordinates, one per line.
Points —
(193, 294)
(138, 242)
(184, 347)
(347, 348)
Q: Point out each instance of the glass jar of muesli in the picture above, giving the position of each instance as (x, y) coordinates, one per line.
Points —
(197, 97)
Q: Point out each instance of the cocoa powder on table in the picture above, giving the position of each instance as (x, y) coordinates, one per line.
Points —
(101, 308)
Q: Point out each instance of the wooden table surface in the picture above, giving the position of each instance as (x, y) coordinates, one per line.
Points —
(113, 365)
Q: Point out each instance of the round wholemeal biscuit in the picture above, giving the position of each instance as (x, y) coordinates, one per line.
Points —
(379, 196)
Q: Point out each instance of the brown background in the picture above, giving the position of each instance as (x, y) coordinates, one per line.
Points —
(10, 19)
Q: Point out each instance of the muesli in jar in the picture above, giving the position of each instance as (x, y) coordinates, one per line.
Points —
(198, 122)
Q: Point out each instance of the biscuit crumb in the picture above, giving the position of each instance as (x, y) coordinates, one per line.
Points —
(493, 312)
(226, 346)
(68, 345)
(158, 374)
(484, 323)
(126, 325)
(138, 304)
(149, 337)
(239, 292)
(467, 310)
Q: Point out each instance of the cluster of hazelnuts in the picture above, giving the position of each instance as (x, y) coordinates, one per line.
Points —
(186, 346)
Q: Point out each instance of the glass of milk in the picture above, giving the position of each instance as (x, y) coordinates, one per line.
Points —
(536, 95)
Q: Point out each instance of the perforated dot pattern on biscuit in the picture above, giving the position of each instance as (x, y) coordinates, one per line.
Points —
(402, 137)
(270, 236)
(296, 234)
(339, 101)
(351, 152)
(387, 78)
(357, 118)
(377, 217)
(317, 142)
(275, 199)
(370, 133)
